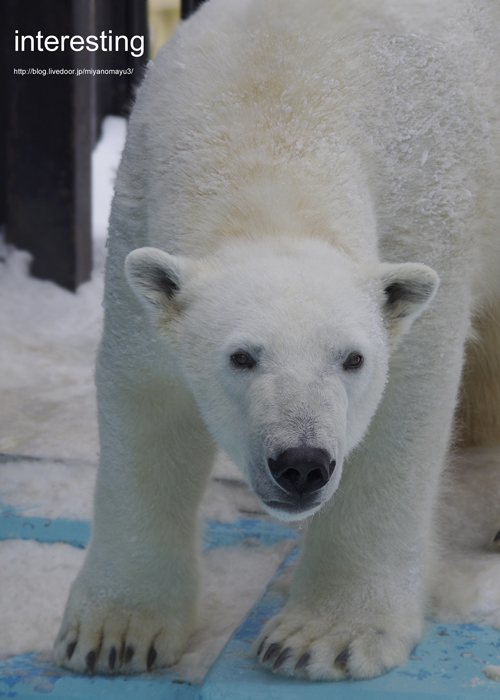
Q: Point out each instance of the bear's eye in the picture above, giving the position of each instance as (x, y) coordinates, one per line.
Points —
(354, 361)
(242, 360)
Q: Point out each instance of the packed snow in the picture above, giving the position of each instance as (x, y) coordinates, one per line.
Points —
(493, 672)
(49, 451)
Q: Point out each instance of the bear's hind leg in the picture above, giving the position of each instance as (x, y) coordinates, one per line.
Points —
(478, 413)
(464, 583)
(465, 589)
(464, 580)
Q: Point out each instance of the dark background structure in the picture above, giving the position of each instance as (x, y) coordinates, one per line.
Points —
(50, 124)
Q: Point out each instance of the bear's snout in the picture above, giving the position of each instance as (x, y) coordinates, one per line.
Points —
(302, 470)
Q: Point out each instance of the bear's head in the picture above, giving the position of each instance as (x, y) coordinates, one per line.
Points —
(285, 346)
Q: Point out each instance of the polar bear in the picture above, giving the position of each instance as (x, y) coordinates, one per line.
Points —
(303, 239)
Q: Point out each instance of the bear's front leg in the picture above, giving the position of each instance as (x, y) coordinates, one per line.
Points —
(353, 612)
(340, 623)
(357, 601)
(133, 605)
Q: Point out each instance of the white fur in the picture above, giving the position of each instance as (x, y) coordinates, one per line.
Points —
(297, 175)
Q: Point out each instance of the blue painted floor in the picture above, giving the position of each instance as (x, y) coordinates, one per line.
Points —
(447, 665)
(77, 532)
(30, 676)
(25, 677)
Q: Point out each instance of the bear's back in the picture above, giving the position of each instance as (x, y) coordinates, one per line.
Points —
(396, 97)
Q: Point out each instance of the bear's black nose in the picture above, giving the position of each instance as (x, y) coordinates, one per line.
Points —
(302, 470)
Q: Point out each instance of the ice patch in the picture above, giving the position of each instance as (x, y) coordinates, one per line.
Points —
(34, 584)
(105, 162)
(493, 672)
(48, 489)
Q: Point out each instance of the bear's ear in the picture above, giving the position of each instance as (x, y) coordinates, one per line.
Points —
(156, 277)
(408, 289)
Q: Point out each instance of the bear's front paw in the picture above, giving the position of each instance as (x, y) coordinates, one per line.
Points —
(117, 639)
(301, 642)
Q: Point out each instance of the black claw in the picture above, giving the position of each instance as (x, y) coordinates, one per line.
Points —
(261, 646)
(272, 650)
(129, 652)
(497, 537)
(151, 658)
(112, 659)
(121, 655)
(284, 656)
(70, 649)
(343, 658)
(90, 661)
(303, 661)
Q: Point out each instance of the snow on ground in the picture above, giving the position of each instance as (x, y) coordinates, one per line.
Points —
(48, 489)
(48, 341)
(105, 161)
(64, 489)
(493, 672)
(35, 580)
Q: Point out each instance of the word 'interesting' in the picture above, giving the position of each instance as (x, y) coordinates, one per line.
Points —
(104, 42)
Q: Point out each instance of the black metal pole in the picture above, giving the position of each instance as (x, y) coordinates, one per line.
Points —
(189, 6)
(49, 141)
(48, 125)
